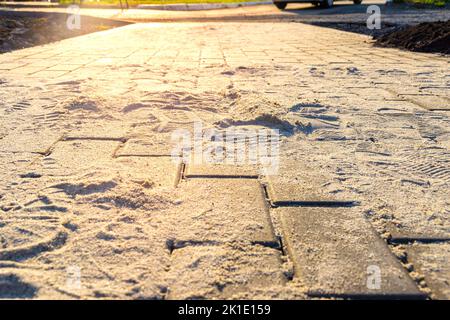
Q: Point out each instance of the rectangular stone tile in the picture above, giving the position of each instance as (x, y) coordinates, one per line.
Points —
(223, 210)
(245, 153)
(336, 252)
(48, 74)
(149, 171)
(11, 66)
(432, 262)
(40, 63)
(111, 130)
(155, 145)
(406, 90)
(78, 157)
(64, 67)
(33, 142)
(284, 192)
(210, 271)
(220, 170)
(433, 103)
(25, 70)
(405, 235)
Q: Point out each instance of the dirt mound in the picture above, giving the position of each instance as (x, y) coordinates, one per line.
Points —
(23, 30)
(424, 37)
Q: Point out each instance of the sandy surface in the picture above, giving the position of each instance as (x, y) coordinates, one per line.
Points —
(86, 191)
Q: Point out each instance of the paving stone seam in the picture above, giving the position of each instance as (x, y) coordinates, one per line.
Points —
(92, 138)
(297, 203)
(180, 173)
(218, 176)
(50, 149)
(418, 239)
(401, 264)
(284, 250)
(404, 261)
(331, 204)
(356, 296)
(397, 237)
(181, 244)
(120, 146)
(137, 155)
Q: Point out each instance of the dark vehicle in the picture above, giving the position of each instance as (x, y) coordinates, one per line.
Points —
(281, 4)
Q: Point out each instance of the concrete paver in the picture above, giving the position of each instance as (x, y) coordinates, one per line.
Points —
(17, 142)
(302, 186)
(431, 267)
(221, 171)
(146, 146)
(150, 171)
(224, 210)
(191, 267)
(78, 156)
(430, 102)
(337, 253)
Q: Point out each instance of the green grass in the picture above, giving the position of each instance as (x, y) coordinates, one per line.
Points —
(137, 2)
(437, 3)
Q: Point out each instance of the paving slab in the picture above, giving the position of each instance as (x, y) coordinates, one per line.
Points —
(100, 130)
(305, 191)
(335, 249)
(224, 210)
(149, 171)
(431, 261)
(40, 142)
(119, 253)
(237, 152)
(220, 171)
(78, 157)
(430, 102)
(219, 272)
(157, 145)
(402, 235)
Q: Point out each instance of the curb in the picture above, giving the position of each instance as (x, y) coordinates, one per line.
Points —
(200, 6)
(168, 7)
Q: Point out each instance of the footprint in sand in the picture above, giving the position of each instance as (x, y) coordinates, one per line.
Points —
(25, 236)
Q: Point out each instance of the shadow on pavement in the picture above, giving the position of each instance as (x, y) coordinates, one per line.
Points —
(338, 8)
(23, 29)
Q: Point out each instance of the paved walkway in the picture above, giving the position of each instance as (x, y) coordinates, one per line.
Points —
(343, 11)
(93, 206)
